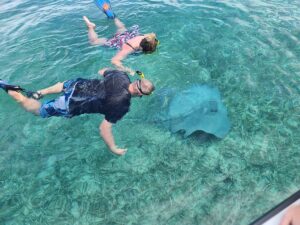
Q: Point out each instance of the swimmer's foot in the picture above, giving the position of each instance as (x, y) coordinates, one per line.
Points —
(88, 23)
(8, 87)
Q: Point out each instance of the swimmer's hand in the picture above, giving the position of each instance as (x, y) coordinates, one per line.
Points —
(118, 151)
(130, 71)
(127, 70)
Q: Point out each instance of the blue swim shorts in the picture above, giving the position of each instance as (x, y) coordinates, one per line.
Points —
(59, 106)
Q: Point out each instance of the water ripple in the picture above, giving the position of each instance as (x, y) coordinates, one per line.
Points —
(59, 171)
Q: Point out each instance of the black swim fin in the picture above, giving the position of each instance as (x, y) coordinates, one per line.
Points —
(6, 87)
(30, 94)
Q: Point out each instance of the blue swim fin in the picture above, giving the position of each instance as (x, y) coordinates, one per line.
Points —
(104, 5)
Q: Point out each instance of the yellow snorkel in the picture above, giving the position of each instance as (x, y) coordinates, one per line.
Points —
(140, 74)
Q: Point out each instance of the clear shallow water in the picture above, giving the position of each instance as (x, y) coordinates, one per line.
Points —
(58, 171)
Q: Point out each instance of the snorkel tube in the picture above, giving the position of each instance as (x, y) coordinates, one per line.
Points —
(140, 74)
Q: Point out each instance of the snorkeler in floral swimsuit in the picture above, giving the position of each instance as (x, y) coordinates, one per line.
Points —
(128, 41)
(119, 39)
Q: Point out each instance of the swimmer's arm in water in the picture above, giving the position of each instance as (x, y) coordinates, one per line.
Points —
(117, 61)
(105, 129)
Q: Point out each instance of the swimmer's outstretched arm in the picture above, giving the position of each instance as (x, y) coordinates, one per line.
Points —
(117, 61)
(105, 129)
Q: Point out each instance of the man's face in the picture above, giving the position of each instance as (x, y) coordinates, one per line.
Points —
(138, 84)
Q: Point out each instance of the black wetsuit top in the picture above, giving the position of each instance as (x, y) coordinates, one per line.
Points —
(109, 96)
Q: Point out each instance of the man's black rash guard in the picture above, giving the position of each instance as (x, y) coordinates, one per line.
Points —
(109, 96)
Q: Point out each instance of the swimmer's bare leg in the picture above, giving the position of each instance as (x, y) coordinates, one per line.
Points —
(120, 25)
(93, 36)
(55, 89)
(29, 104)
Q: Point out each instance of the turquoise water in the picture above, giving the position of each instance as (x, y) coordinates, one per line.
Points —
(58, 171)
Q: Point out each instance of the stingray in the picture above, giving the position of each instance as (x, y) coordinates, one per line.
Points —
(197, 108)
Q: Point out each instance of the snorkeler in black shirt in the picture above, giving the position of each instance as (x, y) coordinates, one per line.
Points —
(109, 96)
